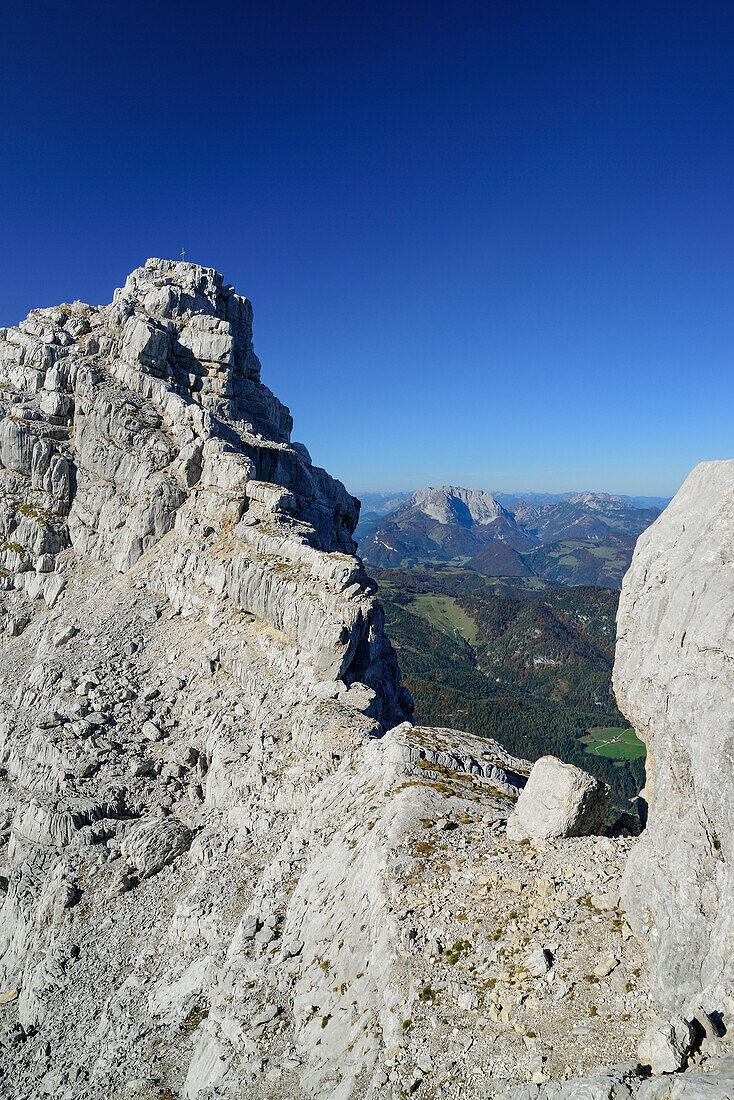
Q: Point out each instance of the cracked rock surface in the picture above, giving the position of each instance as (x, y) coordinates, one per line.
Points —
(674, 679)
(231, 866)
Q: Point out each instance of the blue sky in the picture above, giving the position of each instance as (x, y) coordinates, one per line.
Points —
(486, 243)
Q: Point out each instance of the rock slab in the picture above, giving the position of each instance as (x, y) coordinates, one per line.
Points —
(559, 800)
(674, 680)
(665, 1045)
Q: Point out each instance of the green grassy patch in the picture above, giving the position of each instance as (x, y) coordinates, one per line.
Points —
(445, 614)
(609, 552)
(615, 742)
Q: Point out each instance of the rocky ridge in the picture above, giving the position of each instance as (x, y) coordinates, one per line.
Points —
(231, 866)
(122, 423)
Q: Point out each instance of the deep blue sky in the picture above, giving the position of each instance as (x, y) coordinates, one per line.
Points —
(487, 243)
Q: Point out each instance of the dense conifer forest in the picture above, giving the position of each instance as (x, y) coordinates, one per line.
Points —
(530, 669)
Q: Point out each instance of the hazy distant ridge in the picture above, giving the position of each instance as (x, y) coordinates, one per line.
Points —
(382, 501)
(567, 538)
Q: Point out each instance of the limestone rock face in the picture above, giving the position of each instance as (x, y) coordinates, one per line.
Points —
(674, 680)
(147, 418)
(452, 504)
(559, 800)
(189, 647)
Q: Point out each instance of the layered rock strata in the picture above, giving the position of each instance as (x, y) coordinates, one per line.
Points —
(145, 423)
(230, 865)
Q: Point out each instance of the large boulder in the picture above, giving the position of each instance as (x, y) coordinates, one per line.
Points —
(665, 1045)
(674, 679)
(559, 800)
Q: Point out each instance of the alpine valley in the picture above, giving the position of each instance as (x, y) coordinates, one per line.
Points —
(502, 609)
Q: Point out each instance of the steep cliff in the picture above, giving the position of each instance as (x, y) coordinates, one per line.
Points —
(674, 679)
(144, 424)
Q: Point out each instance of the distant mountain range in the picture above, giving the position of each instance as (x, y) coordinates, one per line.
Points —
(579, 538)
(380, 502)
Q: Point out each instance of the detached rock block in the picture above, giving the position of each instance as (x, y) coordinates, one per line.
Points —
(666, 1045)
(154, 843)
(559, 800)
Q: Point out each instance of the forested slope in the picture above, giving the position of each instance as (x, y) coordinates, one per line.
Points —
(532, 670)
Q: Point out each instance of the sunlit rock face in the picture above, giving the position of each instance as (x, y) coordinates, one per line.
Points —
(125, 424)
(189, 648)
(674, 679)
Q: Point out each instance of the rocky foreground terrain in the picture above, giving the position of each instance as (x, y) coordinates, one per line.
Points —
(232, 867)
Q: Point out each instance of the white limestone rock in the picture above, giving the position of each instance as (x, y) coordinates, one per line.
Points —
(666, 1044)
(559, 800)
(153, 843)
(539, 962)
(206, 652)
(674, 680)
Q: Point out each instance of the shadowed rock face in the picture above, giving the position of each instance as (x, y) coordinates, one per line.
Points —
(674, 679)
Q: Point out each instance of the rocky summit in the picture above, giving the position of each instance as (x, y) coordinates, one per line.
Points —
(231, 865)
